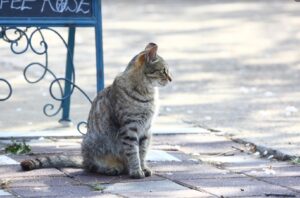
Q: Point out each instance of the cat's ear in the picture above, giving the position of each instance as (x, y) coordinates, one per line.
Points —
(148, 55)
(141, 59)
(150, 52)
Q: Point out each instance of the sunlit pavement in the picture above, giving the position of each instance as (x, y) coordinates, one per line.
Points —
(184, 165)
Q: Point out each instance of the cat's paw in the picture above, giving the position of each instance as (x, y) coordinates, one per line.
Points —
(147, 171)
(137, 174)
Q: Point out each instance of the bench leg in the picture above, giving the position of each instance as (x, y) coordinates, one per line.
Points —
(68, 75)
(99, 49)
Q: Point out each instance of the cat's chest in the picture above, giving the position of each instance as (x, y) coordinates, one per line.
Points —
(141, 114)
(137, 115)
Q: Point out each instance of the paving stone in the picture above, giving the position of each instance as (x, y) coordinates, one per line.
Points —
(195, 172)
(19, 158)
(285, 171)
(291, 182)
(56, 191)
(174, 166)
(57, 141)
(13, 171)
(41, 181)
(190, 170)
(197, 143)
(230, 187)
(241, 162)
(102, 195)
(278, 195)
(101, 179)
(55, 150)
(159, 155)
(169, 194)
(5, 160)
(4, 193)
(43, 135)
(88, 178)
(127, 179)
(95, 179)
(145, 186)
(158, 188)
(168, 166)
(182, 156)
(178, 129)
(92, 178)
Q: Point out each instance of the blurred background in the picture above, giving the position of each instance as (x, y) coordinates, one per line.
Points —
(235, 66)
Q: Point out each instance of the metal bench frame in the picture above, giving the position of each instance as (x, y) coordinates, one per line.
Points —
(41, 24)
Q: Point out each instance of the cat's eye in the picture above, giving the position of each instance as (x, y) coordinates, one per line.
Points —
(157, 72)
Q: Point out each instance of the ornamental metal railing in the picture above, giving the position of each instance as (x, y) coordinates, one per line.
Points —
(28, 25)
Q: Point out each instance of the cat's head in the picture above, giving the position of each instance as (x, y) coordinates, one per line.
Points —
(153, 66)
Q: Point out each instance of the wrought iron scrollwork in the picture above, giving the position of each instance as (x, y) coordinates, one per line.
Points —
(14, 35)
(9, 89)
(81, 124)
(23, 39)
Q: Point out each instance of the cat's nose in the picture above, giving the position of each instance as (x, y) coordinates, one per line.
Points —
(169, 77)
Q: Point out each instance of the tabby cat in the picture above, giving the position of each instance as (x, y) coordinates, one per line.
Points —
(118, 135)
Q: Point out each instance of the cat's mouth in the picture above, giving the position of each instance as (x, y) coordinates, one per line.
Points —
(164, 82)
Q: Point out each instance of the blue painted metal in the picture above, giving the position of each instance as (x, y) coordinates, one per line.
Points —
(9, 90)
(99, 47)
(53, 23)
(68, 75)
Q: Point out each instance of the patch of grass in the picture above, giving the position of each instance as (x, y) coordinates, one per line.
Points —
(4, 184)
(17, 148)
(97, 187)
(296, 160)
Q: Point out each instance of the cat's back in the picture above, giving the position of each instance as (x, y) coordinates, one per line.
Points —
(101, 111)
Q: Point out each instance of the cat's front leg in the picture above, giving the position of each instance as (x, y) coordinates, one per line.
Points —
(144, 143)
(130, 147)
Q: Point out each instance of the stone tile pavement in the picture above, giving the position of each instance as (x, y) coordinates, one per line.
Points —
(235, 66)
(205, 165)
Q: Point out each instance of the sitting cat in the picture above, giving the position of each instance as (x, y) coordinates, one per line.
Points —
(118, 135)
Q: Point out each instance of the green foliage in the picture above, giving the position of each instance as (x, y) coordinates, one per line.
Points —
(296, 160)
(98, 187)
(18, 148)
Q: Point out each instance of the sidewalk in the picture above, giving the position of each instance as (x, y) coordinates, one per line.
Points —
(235, 66)
(186, 165)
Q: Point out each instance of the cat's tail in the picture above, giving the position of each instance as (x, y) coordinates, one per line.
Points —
(55, 161)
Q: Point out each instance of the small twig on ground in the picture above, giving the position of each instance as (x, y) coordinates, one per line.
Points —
(239, 149)
(279, 195)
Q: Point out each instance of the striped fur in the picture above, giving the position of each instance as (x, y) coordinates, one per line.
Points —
(118, 134)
